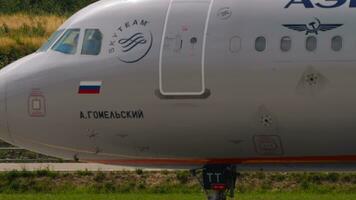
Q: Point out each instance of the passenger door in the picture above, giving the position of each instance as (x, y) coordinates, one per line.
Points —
(182, 56)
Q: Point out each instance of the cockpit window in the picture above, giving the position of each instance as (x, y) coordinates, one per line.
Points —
(92, 42)
(50, 41)
(68, 43)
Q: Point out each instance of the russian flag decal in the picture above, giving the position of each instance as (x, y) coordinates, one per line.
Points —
(90, 87)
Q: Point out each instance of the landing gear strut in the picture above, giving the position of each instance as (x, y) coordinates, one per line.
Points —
(218, 181)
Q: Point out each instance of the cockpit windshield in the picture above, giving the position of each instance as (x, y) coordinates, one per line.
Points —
(92, 42)
(50, 41)
(68, 43)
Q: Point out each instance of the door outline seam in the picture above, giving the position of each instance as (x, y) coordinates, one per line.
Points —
(203, 55)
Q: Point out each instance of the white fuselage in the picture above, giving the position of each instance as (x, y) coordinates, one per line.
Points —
(190, 82)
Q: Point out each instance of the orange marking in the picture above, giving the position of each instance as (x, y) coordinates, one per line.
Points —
(271, 160)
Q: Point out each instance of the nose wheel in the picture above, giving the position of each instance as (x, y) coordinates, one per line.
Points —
(218, 181)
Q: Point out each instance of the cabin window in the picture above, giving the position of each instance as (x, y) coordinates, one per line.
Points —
(336, 43)
(260, 44)
(50, 41)
(286, 43)
(311, 43)
(92, 42)
(68, 43)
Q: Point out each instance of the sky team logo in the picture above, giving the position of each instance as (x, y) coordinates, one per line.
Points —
(132, 41)
(312, 27)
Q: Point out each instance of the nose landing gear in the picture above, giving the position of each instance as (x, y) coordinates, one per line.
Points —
(218, 181)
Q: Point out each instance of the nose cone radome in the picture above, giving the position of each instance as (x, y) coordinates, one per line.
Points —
(13, 94)
(4, 131)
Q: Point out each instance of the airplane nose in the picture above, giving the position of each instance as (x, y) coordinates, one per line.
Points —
(10, 76)
(4, 131)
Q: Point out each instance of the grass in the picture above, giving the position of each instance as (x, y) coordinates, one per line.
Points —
(168, 182)
(161, 185)
(198, 196)
(22, 34)
(45, 24)
(102, 197)
(27, 30)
